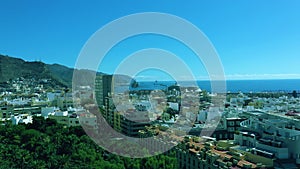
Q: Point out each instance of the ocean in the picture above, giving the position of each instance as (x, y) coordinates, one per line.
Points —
(246, 86)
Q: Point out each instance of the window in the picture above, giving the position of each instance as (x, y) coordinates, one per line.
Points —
(231, 129)
(231, 123)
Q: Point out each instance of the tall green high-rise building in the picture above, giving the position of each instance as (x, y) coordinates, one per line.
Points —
(103, 88)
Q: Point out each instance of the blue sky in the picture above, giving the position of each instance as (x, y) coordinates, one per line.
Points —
(254, 39)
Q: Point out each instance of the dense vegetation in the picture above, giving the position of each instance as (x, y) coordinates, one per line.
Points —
(46, 144)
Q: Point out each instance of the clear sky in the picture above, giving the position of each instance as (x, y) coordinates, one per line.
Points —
(255, 39)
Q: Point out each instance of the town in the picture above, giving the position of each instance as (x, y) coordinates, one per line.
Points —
(249, 130)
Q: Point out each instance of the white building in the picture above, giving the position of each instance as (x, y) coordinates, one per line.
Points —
(271, 135)
(174, 106)
(21, 118)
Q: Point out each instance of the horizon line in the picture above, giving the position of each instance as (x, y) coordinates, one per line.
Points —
(214, 80)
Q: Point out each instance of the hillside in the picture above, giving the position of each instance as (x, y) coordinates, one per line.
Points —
(12, 68)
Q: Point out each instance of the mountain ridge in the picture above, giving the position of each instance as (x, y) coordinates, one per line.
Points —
(12, 68)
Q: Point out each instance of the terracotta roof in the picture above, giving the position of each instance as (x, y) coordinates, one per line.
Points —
(223, 154)
(242, 162)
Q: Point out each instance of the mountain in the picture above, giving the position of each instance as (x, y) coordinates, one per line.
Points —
(12, 68)
(63, 73)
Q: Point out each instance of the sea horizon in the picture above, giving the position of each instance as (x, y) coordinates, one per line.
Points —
(243, 85)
